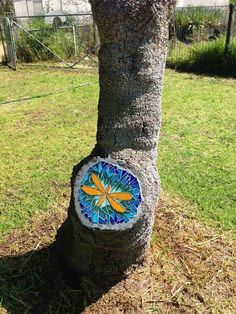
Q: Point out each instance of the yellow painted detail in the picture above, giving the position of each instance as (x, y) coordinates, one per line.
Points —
(122, 196)
(104, 193)
(115, 205)
(97, 182)
(91, 191)
(108, 189)
(102, 199)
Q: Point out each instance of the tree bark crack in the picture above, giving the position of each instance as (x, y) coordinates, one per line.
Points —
(115, 140)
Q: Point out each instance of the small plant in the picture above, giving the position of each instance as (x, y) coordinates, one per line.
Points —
(205, 57)
(60, 41)
(27, 48)
(62, 44)
(188, 20)
(24, 51)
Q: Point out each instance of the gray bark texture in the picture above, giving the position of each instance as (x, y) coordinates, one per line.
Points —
(133, 36)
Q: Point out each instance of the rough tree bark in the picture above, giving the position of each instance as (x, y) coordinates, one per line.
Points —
(133, 36)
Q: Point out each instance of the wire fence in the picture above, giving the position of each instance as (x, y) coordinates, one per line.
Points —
(69, 39)
(72, 39)
(196, 29)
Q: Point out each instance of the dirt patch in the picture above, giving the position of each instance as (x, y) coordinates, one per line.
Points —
(192, 270)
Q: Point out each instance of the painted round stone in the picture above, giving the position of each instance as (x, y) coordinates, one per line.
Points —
(108, 194)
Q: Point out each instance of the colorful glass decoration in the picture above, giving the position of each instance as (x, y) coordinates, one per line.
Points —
(109, 194)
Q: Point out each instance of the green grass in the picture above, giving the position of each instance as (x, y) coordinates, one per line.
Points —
(41, 139)
(197, 148)
(204, 57)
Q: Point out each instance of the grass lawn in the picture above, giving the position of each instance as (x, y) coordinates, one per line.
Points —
(41, 139)
(192, 265)
(198, 144)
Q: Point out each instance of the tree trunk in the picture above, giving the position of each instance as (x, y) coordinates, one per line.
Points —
(115, 189)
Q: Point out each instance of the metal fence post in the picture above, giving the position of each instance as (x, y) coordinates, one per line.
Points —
(11, 52)
(229, 29)
(94, 37)
(74, 38)
(3, 44)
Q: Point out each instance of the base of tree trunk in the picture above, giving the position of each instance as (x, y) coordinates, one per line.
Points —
(98, 278)
(105, 252)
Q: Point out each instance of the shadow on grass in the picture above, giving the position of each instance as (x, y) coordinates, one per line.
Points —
(202, 71)
(33, 283)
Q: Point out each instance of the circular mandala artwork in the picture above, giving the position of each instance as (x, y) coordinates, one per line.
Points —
(109, 194)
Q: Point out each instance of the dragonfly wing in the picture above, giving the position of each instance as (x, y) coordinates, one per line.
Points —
(122, 196)
(102, 199)
(97, 182)
(91, 191)
(115, 205)
(108, 189)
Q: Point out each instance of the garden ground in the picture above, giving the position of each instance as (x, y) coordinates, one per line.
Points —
(193, 246)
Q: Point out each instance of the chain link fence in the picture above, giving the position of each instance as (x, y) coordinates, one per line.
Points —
(8, 42)
(69, 39)
(72, 39)
(198, 30)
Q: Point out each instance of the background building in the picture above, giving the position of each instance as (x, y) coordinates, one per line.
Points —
(35, 7)
(184, 3)
(67, 6)
(28, 7)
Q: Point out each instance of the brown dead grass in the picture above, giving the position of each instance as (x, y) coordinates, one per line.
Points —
(192, 269)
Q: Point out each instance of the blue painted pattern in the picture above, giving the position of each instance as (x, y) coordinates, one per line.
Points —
(109, 194)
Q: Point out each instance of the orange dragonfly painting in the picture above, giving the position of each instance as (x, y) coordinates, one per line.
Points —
(105, 194)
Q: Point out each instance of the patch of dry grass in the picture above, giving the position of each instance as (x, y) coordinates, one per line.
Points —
(192, 270)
